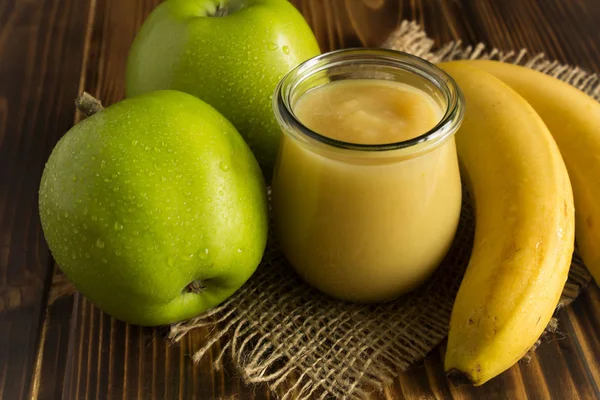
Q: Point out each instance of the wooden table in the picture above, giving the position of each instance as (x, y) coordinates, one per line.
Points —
(52, 49)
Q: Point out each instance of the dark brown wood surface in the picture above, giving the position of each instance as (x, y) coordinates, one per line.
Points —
(65, 348)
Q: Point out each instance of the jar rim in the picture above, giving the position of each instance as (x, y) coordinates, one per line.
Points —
(438, 134)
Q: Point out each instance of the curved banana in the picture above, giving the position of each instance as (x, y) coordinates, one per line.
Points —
(524, 229)
(573, 118)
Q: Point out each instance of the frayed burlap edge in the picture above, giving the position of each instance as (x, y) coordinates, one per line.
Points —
(410, 38)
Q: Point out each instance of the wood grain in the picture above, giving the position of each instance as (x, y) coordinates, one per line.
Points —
(65, 348)
(41, 48)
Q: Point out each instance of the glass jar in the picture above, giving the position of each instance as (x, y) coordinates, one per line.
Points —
(366, 222)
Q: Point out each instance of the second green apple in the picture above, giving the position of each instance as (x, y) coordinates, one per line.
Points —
(229, 53)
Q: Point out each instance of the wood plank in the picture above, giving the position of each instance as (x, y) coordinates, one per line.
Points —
(41, 50)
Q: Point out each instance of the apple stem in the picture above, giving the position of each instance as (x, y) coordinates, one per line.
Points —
(221, 11)
(195, 287)
(88, 104)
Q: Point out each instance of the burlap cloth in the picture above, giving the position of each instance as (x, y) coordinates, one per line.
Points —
(281, 332)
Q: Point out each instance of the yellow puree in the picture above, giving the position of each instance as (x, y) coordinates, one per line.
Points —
(365, 228)
(368, 111)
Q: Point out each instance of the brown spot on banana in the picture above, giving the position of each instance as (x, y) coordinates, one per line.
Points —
(458, 377)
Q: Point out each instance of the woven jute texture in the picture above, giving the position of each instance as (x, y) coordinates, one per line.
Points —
(281, 332)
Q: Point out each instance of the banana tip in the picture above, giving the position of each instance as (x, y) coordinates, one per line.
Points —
(458, 377)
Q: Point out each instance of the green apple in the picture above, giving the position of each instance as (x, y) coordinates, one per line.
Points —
(155, 208)
(229, 53)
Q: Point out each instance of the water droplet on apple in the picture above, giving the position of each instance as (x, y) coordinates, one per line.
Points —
(87, 255)
(118, 226)
(117, 253)
(272, 46)
(94, 218)
(73, 256)
(66, 214)
(203, 254)
(239, 250)
(224, 167)
(99, 244)
(74, 178)
(102, 164)
(187, 257)
(286, 49)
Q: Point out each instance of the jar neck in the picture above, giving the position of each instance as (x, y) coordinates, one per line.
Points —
(367, 63)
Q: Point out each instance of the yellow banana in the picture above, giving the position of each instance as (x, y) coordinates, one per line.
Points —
(573, 118)
(524, 230)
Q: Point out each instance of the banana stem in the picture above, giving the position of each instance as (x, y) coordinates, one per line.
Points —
(88, 104)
